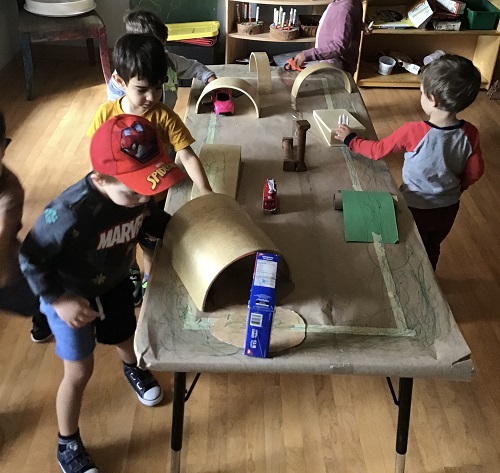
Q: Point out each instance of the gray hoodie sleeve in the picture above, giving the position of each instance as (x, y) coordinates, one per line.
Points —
(189, 68)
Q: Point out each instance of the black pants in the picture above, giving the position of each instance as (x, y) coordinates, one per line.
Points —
(434, 226)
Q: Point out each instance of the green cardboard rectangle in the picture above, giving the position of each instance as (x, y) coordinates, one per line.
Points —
(367, 213)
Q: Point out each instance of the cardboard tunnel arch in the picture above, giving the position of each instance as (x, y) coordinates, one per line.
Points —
(259, 62)
(208, 235)
(313, 69)
(234, 83)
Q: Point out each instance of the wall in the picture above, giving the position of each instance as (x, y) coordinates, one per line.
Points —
(111, 12)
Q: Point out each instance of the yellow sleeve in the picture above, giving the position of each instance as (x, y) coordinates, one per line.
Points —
(104, 112)
(172, 130)
(179, 135)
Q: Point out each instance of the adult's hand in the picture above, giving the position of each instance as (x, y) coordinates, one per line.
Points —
(300, 59)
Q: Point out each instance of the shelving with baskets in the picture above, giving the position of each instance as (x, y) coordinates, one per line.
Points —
(480, 46)
(240, 45)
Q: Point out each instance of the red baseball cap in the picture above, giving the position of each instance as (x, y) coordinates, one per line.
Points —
(127, 147)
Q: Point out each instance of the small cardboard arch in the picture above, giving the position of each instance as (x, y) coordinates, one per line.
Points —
(320, 66)
(259, 62)
(234, 83)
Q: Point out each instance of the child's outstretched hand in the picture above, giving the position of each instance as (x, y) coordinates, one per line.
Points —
(342, 132)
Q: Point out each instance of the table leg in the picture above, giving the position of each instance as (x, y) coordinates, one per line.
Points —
(404, 403)
(177, 422)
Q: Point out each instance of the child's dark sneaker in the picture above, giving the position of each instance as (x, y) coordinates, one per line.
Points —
(40, 330)
(73, 458)
(147, 388)
(135, 277)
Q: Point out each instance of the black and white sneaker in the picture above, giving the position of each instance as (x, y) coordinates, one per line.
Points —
(74, 458)
(145, 385)
(40, 330)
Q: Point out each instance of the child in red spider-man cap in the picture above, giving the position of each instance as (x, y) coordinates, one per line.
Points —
(76, 258)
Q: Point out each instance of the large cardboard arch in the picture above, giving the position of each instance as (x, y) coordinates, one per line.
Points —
(314, 68)
(234, 83)
(259, 62)
(209, 234)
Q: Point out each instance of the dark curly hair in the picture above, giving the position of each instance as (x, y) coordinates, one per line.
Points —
(141, 56)
(145, 22)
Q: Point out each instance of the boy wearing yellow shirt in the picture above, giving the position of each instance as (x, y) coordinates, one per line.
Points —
(142, 67)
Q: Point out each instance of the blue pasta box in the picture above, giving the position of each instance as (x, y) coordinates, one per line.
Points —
(261, 305)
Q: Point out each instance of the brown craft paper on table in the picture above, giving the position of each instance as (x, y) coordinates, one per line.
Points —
(229, 325)
(370, 309)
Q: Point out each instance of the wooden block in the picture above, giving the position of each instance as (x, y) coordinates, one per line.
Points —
(289, 165)
(328, 122)
(221, 164)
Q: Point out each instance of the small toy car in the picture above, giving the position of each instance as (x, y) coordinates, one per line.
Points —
(223, 102)
(269, 196)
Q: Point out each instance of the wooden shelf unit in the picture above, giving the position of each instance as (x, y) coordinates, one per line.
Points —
(480, 46)
(237, 45)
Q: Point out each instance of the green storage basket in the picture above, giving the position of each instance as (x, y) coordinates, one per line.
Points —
(481, 15)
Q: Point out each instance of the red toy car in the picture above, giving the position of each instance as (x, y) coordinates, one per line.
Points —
(269, 196)
(291, 66)
(223, 102)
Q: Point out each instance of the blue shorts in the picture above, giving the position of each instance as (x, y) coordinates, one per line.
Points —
(117, 326)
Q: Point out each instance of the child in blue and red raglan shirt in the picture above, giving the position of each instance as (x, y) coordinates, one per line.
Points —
(442, 155)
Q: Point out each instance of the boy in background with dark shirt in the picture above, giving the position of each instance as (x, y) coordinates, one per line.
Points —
(76, 259)
(442, 155)
(15, 294)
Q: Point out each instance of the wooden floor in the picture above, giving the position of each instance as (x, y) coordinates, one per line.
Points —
(252, 423)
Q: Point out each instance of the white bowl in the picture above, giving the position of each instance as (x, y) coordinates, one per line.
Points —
(57, 8)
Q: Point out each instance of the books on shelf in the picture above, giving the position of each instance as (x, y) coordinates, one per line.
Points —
(416, 15)
(420, 13)
(452, 6)
(388, 16)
